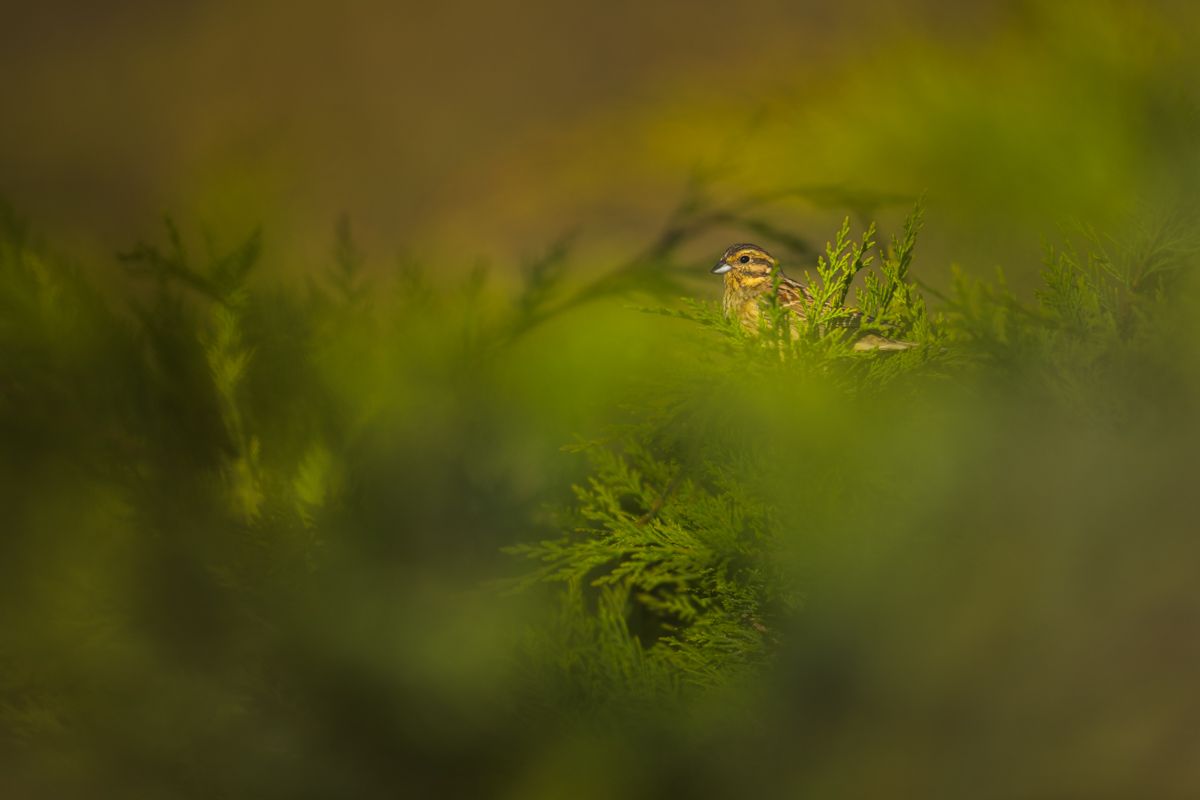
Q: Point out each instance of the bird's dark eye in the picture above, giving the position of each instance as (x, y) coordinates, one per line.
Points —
(744, 259)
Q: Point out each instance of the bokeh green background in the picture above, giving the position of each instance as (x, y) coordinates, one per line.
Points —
(252, 522)
(461, 130)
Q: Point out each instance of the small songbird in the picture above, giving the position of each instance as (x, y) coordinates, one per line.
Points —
(750, 273)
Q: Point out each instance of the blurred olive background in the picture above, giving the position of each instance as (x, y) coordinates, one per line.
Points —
(254, 491)
(462, 130)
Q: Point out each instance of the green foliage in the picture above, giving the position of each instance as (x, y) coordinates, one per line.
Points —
(669, 558)
(669, 553)
(1106, 310)
(685, 554)
(248, 525)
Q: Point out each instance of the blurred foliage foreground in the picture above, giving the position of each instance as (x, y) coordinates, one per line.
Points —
(252, 538)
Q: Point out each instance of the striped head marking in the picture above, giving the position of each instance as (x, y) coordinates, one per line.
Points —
(746, 260)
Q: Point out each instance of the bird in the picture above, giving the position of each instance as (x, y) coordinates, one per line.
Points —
(750, 276)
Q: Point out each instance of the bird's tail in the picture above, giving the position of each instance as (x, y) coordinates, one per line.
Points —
(874, 342)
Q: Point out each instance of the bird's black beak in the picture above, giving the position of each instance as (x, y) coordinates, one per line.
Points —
(721, 268)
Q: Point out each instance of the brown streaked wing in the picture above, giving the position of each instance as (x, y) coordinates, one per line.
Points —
(793, 295)
(853, 319)
(796, 297)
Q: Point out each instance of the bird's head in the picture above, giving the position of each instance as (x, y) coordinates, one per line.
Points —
(746, 263)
